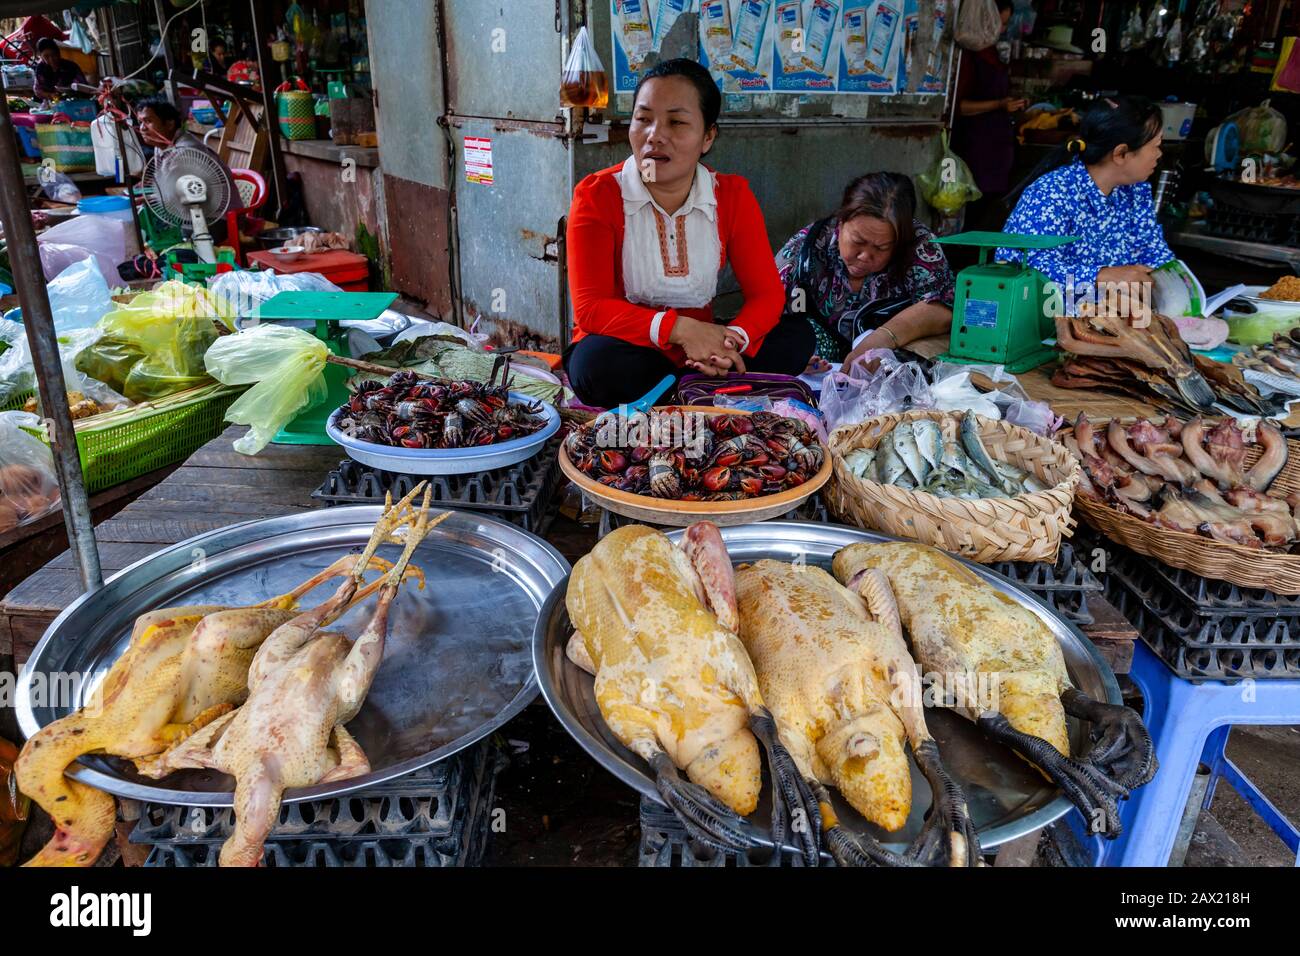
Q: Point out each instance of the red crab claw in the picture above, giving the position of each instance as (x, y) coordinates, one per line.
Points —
(716, 478)
(613, 461)
(752, 484)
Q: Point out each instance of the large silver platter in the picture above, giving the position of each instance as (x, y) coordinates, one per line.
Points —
(457, 664)
(1008, 798)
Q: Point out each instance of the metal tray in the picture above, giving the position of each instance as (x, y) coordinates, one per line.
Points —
(1008, 798)
(448, 461)
(456, 666)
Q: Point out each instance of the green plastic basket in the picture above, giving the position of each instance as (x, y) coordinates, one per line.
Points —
(114, 453)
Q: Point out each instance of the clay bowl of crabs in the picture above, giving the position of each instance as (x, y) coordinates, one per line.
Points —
(1211, 496)
(682, 463)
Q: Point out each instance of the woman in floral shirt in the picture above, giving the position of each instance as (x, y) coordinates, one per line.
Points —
(1094, 187)
(871, 267)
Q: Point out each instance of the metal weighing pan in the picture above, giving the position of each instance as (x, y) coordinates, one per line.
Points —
(1008, 798)
(456, 666)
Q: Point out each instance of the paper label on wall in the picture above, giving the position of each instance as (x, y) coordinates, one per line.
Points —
(738, 44)
(807, 46)
(934, 76)
(639, 28)
(478, 160)
(871, 51)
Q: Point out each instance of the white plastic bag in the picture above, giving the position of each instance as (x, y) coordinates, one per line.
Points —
(28, 487)
(81, 237)
(978, 24)
(18, 374)
(58, 186)
(245, 291)
(865, 392)
(79, 296)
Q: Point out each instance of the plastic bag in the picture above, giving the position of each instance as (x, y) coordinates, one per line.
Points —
(98, 236)
(58, 186)
(978, 25)
(953, 390)
(18, 374)
(583, 82)
(948, 184)
(154, 346)
(283, 364)
(28, 487)
(79, 296)
(865, 392)
(1262, 128)
(244, 291)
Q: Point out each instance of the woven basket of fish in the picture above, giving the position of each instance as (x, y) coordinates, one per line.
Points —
(984, 489)
(1208, 496)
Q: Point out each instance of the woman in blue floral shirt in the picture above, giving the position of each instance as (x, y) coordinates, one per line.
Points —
(870, 267)
(1094, 187)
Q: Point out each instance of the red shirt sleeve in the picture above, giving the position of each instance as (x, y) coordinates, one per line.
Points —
(599, 306)
(751, 258)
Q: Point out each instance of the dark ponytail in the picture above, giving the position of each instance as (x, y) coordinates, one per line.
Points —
(1110, 122)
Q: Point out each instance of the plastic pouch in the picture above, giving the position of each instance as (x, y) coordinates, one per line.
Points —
(948, 184)
(79, 296)
(283, 365)
(979, 24)
(583, 83)
(28, 487)
(876, 384)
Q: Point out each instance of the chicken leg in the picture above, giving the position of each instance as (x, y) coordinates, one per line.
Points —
(675, 685)
(961, 626)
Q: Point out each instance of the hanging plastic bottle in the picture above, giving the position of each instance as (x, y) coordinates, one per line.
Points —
(583, 83)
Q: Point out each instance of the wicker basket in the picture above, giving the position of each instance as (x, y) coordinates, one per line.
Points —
(1028, 527)
(1245, 567)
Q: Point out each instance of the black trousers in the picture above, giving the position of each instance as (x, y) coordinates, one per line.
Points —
(605, 371)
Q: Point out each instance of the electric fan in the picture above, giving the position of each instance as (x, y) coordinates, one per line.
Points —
(184, 185)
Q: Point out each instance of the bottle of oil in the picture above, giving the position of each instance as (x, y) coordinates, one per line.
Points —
(583, 82)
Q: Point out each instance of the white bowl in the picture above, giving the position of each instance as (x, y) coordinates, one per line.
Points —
(288, 253)
(448, 461)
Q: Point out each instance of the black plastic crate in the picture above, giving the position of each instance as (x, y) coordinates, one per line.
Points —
(1064, 586)
(521, 493)
(436, 816)
(1266, 227)
(1205, 663)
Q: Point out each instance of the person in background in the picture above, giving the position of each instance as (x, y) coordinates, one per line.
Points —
(983, 132)
(647, 240)
(1095, 187)
(871, 267)
(54, 74)
(218, 61)
(162, 127)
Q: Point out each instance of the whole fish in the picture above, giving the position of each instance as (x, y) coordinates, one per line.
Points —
(862, 463)
(906, 446)
(974, 446)
(888, 463)
(956, 460)
(929, 440)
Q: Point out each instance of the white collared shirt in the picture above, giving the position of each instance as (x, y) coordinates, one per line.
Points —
(670, 261)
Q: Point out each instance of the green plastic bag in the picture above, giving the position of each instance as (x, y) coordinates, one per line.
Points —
(948, 184)
(153, 346)
(283, 364)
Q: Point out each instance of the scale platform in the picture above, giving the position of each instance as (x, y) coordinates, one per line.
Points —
(999, 314)
(325, 310)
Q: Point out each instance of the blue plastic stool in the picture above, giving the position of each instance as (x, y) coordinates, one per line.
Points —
(1189, 724)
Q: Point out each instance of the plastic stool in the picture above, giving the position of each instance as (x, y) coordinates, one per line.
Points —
(1189, 724)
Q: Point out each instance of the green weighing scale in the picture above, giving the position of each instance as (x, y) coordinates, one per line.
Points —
(999, 314)
(325, 310)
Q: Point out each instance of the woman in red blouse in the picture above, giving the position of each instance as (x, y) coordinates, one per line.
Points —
(646, 242)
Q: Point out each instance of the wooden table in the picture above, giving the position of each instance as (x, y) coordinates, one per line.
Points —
(216, 487)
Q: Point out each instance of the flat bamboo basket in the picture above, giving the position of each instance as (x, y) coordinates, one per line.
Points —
(666, 512)
(1028, 527)
(1245, 567)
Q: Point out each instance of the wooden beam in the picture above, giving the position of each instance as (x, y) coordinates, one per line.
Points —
(261, 42)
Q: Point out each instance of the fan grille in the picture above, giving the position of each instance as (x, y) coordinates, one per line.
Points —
(160, 190)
